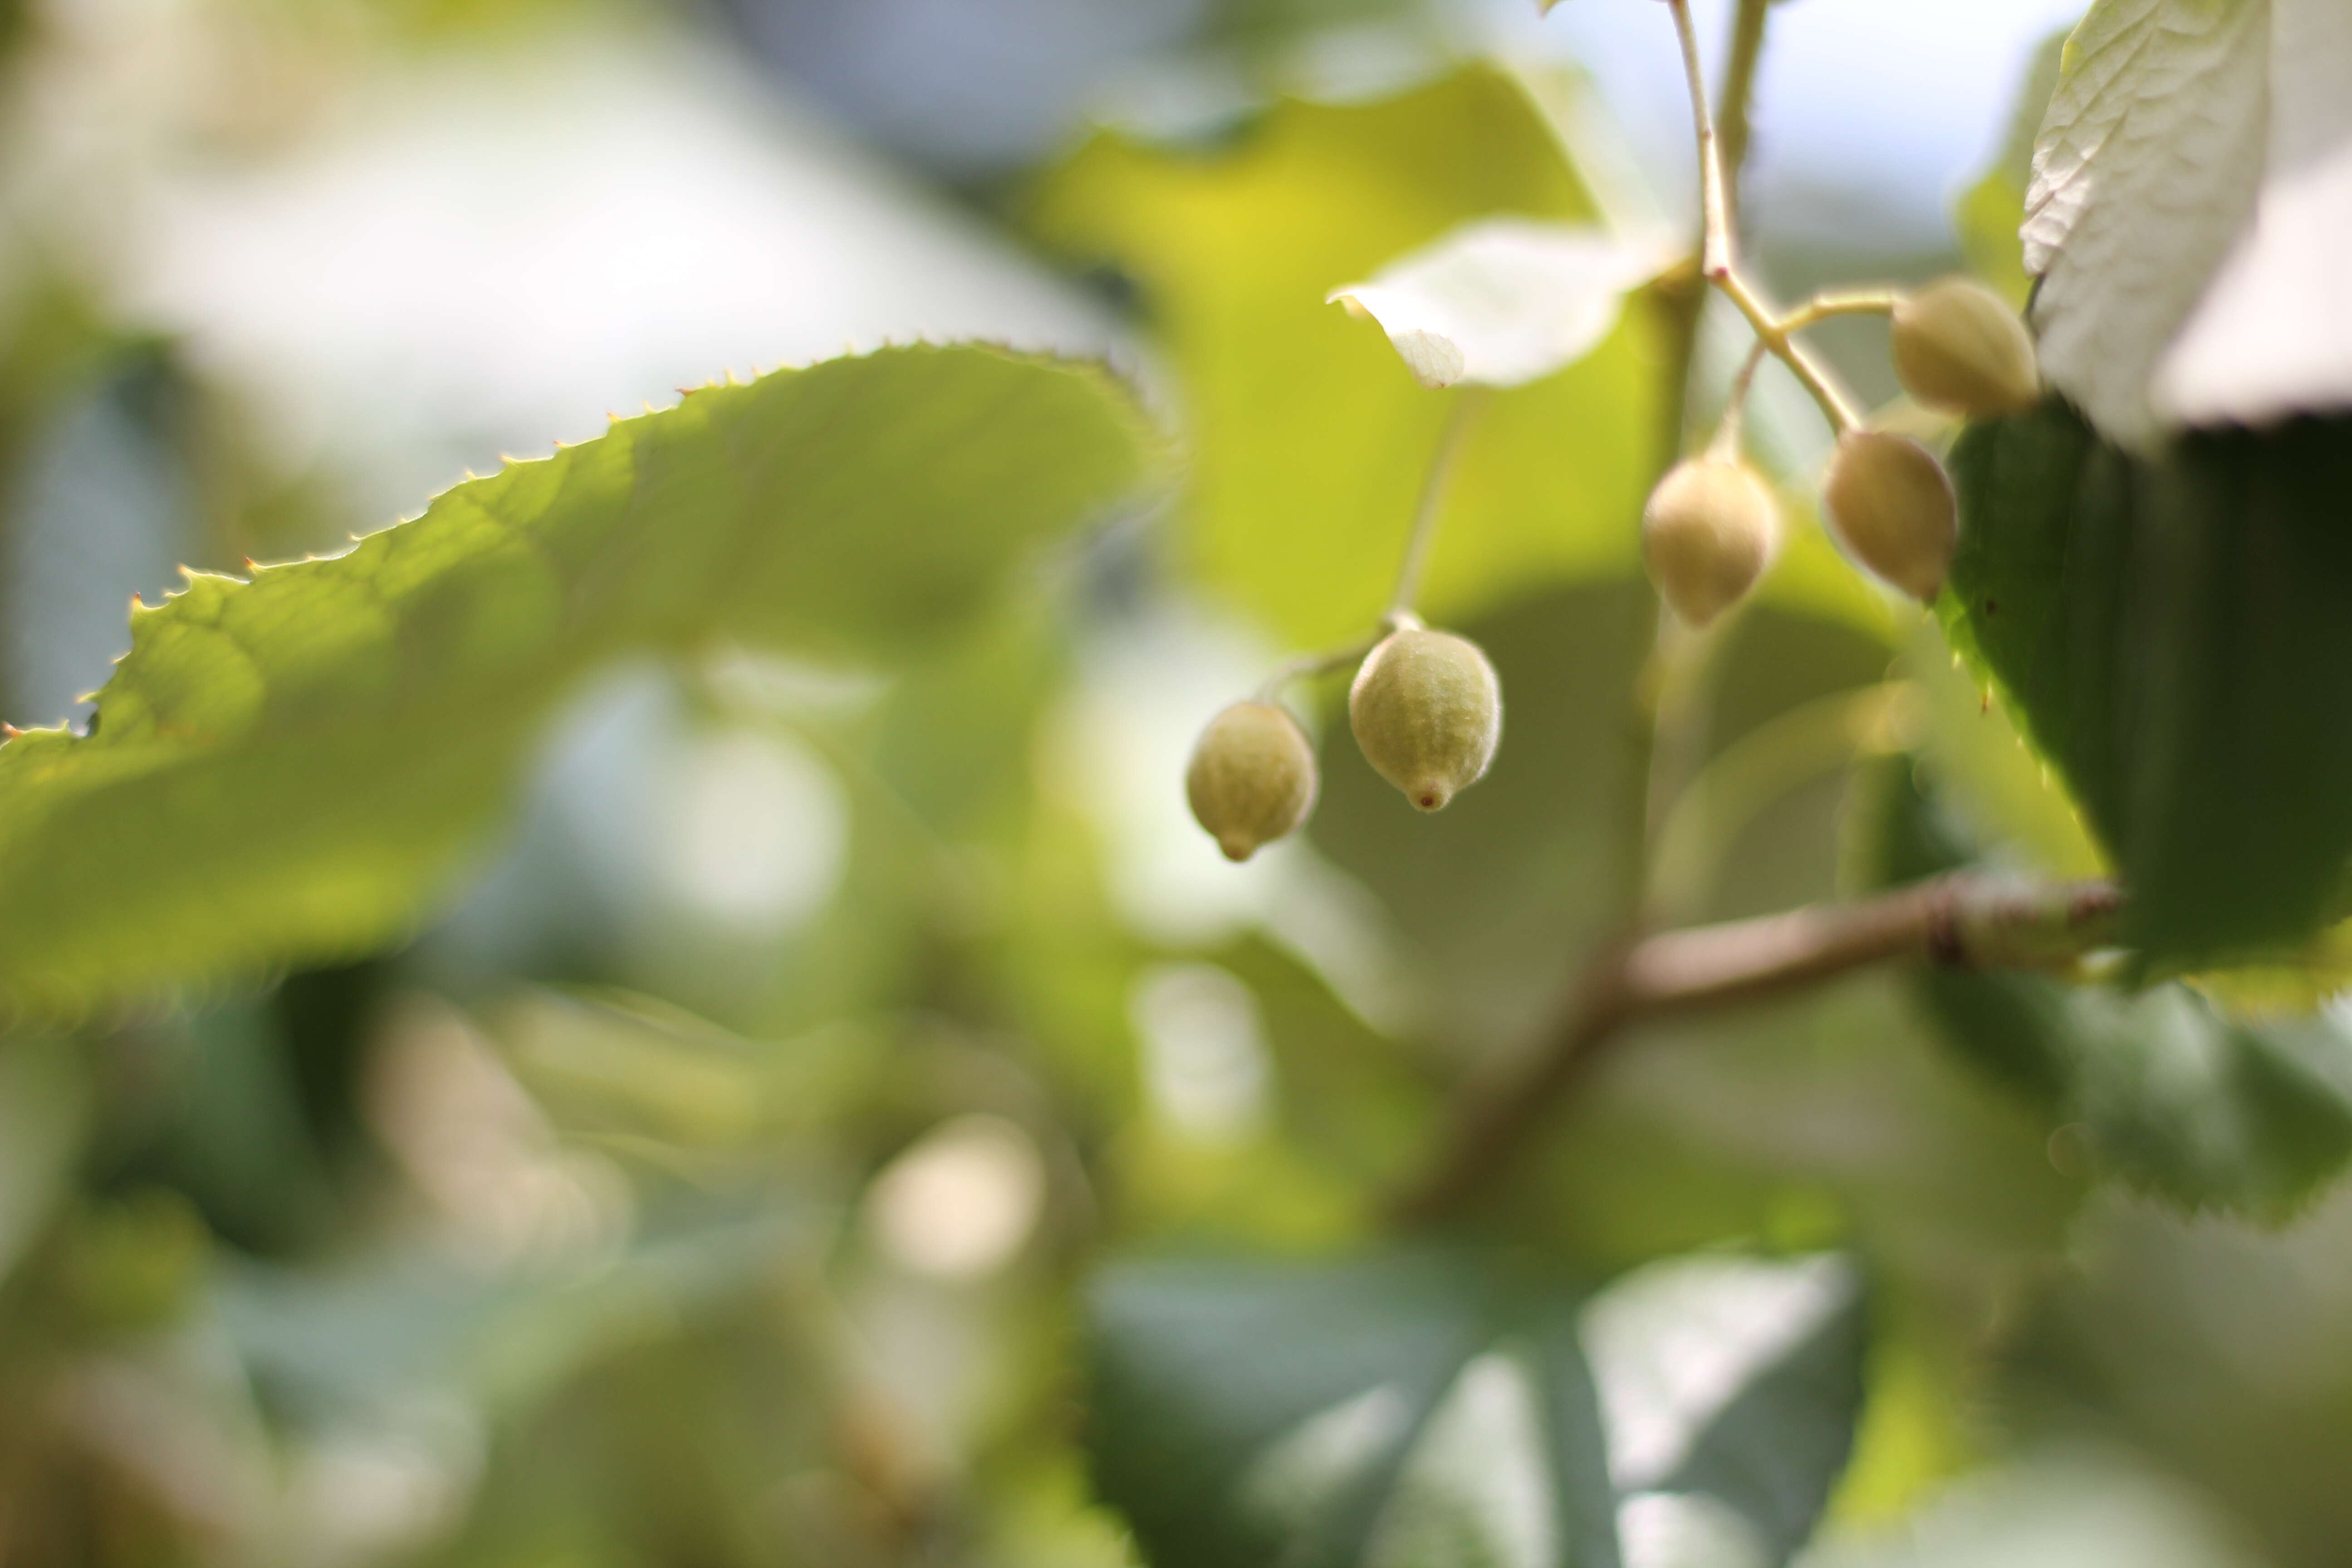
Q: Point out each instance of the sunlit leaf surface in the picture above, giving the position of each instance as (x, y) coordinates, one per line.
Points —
(286, 767)
(1308, 439)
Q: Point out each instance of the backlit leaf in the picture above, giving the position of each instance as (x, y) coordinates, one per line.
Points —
(1308, 440)
(288, 767)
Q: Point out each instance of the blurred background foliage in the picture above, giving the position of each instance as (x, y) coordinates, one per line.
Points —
(713, 1177)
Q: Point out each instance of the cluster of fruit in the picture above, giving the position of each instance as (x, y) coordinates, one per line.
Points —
(1426, 707)
(1712, 525)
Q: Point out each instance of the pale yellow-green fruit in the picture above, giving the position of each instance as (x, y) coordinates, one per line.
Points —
(1707, 533)
(1427, 711)
(1959, 348)
(1890, 503)
(1253, 779)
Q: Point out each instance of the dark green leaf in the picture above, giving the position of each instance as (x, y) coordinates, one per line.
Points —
(2172, 634)
(2170, 1092)
(287, 767)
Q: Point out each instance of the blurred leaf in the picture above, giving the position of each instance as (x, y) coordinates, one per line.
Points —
(45, 1115)
(1409, 1409)
(1502, 303)
(288, 766)
(1308, 439)
(1501, 895)
(1431, 1408)
(2169, 1091)
(1733, 1378)
(2171, 636)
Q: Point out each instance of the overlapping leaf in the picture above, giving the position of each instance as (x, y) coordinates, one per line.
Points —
(286, 767)
(1438, 1408)
(1308, 439)
(2170, 634)
(2167, 1091)
(2191, 186)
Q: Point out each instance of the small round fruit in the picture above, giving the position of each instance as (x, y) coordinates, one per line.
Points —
(1427, 711)
(1252, 779)
(1890, 502)
(1959, 348)
(1707, 533)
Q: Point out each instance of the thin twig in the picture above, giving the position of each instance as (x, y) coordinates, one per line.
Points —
(1720, 248)
(1821, 307)
(1431, 505)
(1964, 919)
(1308, 665)
(1717, 246)
(1725, 448)
(1771, 330)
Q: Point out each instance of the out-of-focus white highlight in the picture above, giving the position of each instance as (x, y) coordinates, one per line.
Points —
(1674, 1344)
(481, 1152)
(496, 250)
(1477, 1488)
(1304, 1471)
(1504, 301)
(759, 831)
(2060, 1506)
(962, 1202)
(1687, 1530)
(1205, 1065)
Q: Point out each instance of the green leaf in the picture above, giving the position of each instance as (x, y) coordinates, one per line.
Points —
(2169, 1091)
(1731, 1388)
(1438, 1408)
(1502, 301)
(288, 767)
(2171, 636)
(1309, 438)
(1407, 1410)
(2186, 189)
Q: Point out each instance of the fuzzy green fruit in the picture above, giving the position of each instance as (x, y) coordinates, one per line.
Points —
(1890, 503)
(1959, 348)
(1427, 711)
(1707, 533)
(1253, 779)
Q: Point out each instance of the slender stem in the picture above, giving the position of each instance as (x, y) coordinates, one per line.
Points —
(1762, 766)
(1725, 448)
(1774, 333)
(1963, 919)
(1434, 486)
(1716, 246)
(1308, 665)
(1821, 307)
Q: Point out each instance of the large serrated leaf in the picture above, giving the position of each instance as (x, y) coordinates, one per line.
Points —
(2190, 204)
(284, 768)
(1438, 1408)
(2168, 1091)
(2172, 637)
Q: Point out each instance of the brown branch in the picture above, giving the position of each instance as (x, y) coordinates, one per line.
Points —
(1965, 919)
